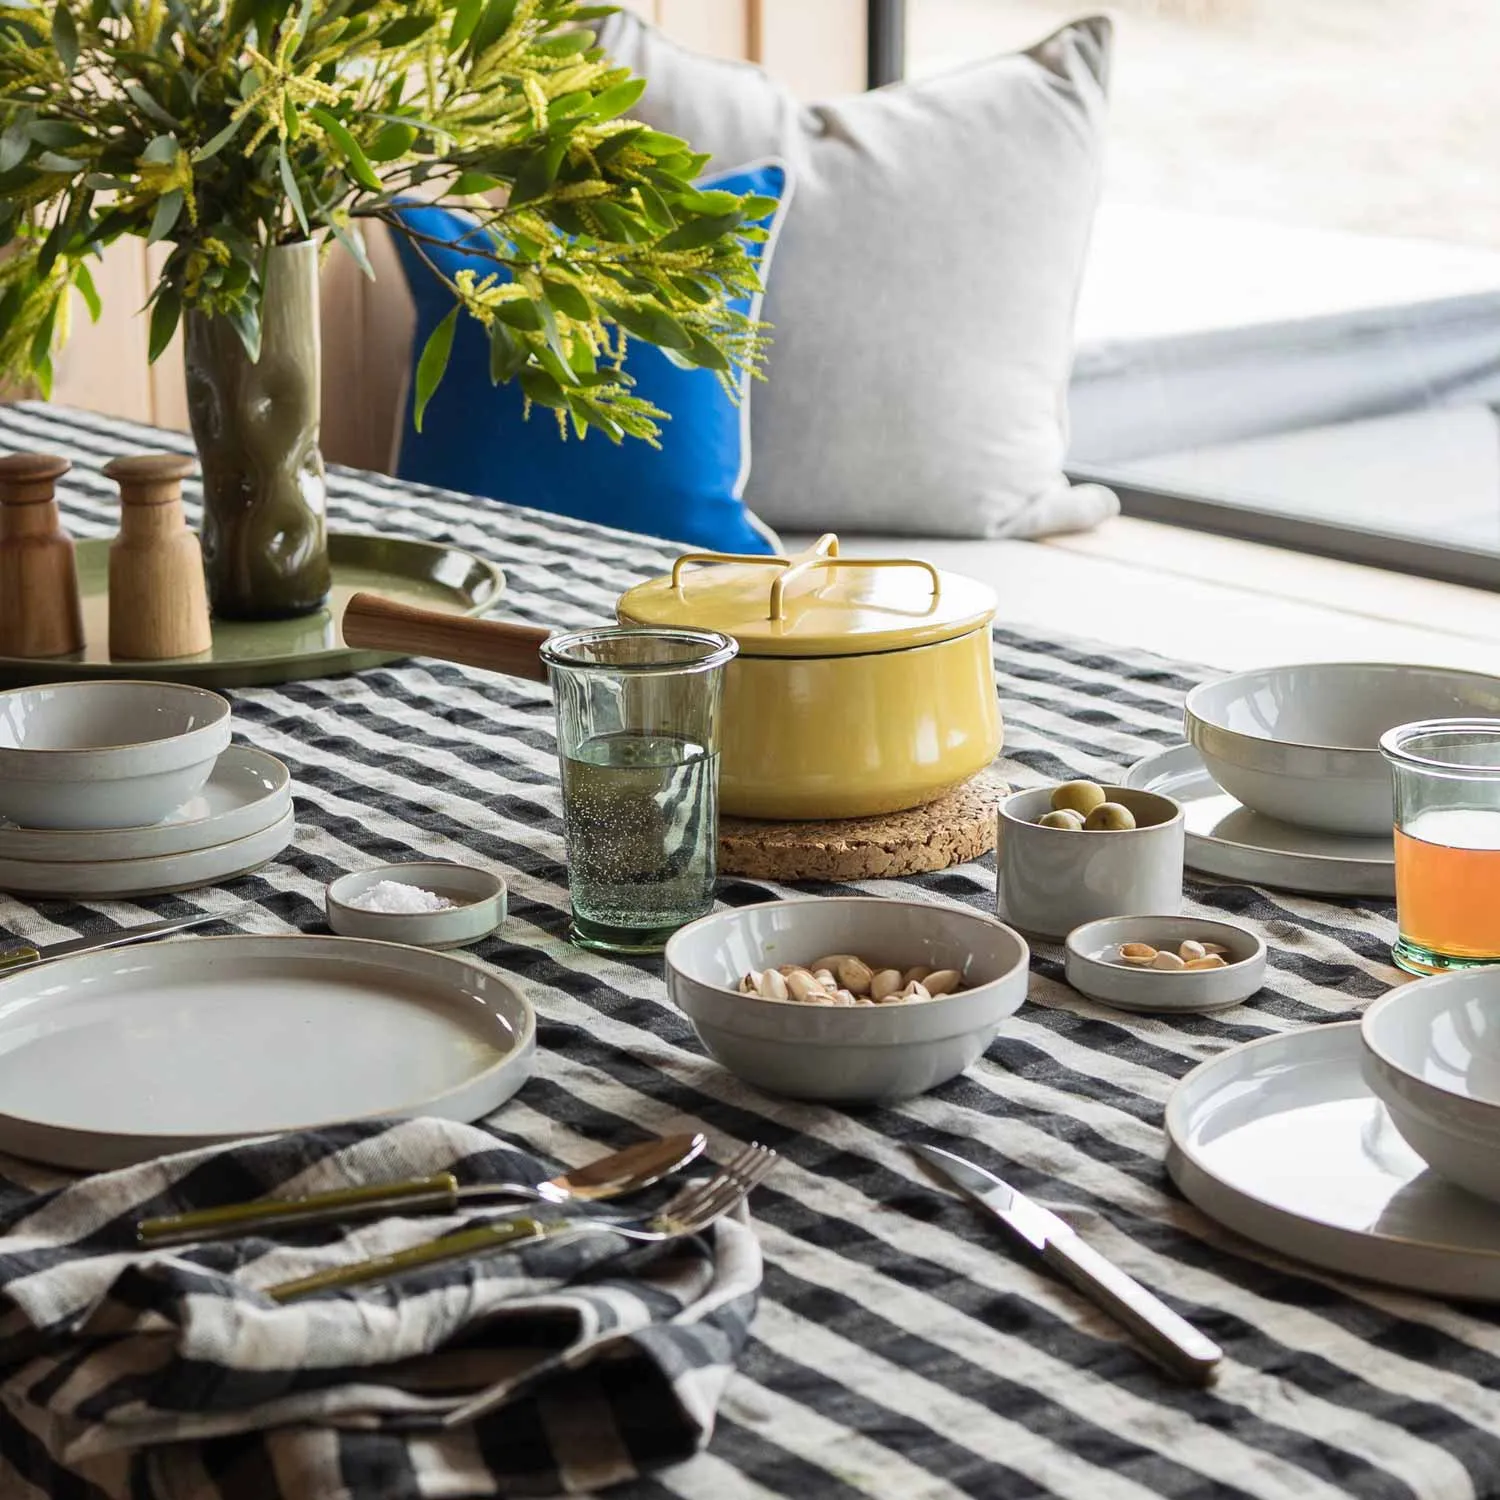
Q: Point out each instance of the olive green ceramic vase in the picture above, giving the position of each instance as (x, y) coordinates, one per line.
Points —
(265, 526)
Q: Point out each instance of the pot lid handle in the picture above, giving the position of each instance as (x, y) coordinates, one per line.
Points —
(824, 553)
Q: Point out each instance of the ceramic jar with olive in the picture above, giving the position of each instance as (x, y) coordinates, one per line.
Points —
(1073, 853)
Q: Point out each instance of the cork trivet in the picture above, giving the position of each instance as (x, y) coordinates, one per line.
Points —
(955, 828)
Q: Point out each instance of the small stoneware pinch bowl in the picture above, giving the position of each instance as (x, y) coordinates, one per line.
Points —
(1051, 880)
(1094, 968)
(478, 897)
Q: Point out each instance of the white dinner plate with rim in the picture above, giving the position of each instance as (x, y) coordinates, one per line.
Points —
(1281, 1141)
(1225, 838)
(156, 876)
(114, 1057)
(247, 791)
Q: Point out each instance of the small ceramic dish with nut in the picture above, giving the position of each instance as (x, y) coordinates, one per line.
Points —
(1142, 963)
(388, 903)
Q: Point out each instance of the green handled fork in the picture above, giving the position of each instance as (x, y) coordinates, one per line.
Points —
(690, 1212)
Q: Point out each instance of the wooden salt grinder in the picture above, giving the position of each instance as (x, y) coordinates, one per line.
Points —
(158, 605)
(40, 614)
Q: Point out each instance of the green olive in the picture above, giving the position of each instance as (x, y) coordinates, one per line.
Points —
(1081, 797)
(1061, 817)
(1109, 816)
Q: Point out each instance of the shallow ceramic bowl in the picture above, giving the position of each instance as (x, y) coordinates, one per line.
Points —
(478, 898)
(106, 754)
(1432, 1057)
(1302, 743)
(1093, 969)
(1051, 880)
(851, 1055)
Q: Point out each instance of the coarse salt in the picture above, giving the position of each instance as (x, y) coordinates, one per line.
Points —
(392, 896)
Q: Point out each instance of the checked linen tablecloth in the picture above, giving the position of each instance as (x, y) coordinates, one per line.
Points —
(901, 1350)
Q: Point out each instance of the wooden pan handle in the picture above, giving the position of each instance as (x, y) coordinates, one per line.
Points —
(375, 624)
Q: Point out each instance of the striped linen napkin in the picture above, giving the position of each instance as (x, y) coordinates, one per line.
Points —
(167, 1375)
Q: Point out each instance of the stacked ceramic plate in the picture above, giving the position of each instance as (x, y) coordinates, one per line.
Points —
(1282, 782)
(131, 789)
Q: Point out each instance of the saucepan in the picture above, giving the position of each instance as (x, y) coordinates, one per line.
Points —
(862, 685)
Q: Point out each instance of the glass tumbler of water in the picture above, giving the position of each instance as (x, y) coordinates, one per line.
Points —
(1446, 778)
(638, 741)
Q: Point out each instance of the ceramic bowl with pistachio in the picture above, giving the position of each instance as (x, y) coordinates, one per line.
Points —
(1178, 958)
(847, 979)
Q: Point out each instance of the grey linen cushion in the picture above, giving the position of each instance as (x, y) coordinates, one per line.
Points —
(925, 282)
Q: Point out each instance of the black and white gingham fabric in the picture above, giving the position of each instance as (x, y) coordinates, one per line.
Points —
(581, 1367)
(901, 1351)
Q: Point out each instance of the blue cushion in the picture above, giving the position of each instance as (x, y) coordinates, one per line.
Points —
(475, 438)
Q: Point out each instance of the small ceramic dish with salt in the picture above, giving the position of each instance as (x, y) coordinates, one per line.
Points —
(425, 904)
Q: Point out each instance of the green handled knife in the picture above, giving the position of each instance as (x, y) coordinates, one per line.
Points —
(26, 954)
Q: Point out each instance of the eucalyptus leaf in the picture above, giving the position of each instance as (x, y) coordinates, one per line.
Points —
(51, 161)
(507, 354)
(15, 142)
(654, 324)
(293, 192)
(699, 232)
(520, 312)
(466, 15)
(541, 388)
(568, 299)
(538, 175)
(494, 21)
(65, 35)
(148, 106)
(161, 149)
(164, 220)
(393, 141)
(350, 149)
(434, 362)
(615, 101)
(404, 30)
(165, 312)
(217, 142)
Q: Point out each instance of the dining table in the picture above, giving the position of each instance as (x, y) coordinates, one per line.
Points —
(901, 1349)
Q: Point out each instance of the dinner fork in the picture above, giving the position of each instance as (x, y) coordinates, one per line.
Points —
(690, 1211)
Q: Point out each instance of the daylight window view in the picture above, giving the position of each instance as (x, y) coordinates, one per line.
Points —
(1292, 305)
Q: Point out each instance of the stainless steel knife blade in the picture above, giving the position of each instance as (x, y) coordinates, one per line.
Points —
(1168, 1336)
(25, 954)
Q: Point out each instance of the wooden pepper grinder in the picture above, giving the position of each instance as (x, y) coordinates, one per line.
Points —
(158, 605)
(40, 614)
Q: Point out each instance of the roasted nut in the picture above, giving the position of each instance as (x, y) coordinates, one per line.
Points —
(886, 982)
(916, 991)
(1188, 950)
(842, 997)
(802, 986)
(750, 984)
(832, 962)
(772, 986)
(944, 982)
(918, 972)
(1167, 961)
(1208, 961)
(1212, 948)
(787, 970)
(1137, 953)
(863, 1000)
(825, 978)
(854, 975)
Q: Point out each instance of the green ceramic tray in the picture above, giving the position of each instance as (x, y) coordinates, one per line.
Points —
(248, 654)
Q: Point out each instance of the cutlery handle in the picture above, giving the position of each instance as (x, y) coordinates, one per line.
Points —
(451, 1247)
(1172, 1339)
(234, 1219)
(17, 958)
(374, 623)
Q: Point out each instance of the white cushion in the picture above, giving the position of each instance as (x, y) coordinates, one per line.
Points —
(923, 301)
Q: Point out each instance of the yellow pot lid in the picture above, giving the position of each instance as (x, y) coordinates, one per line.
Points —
(814, 604)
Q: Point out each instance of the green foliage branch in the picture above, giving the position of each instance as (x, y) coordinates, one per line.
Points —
(224, 129)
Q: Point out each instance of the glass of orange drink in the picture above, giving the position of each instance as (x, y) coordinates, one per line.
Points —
(1446, 779)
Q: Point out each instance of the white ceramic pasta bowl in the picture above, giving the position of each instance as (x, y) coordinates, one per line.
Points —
(106, 754)
(850, 1055)
(1302, 743)
(1431, 1055)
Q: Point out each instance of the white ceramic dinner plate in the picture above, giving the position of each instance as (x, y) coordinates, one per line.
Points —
(113, 1057)
(246, 793)
(154, 876)
(1282, 1141)
(1225, 838)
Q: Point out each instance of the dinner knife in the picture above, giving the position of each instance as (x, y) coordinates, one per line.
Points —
(26, 953)
(1168, 1337)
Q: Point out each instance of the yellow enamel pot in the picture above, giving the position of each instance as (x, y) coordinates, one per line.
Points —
(862, 685)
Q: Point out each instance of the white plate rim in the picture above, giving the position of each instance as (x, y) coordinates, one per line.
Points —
(1337, 874)
(151, 875)
(82, 1148)
(82, 845)
(1330, 1246)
